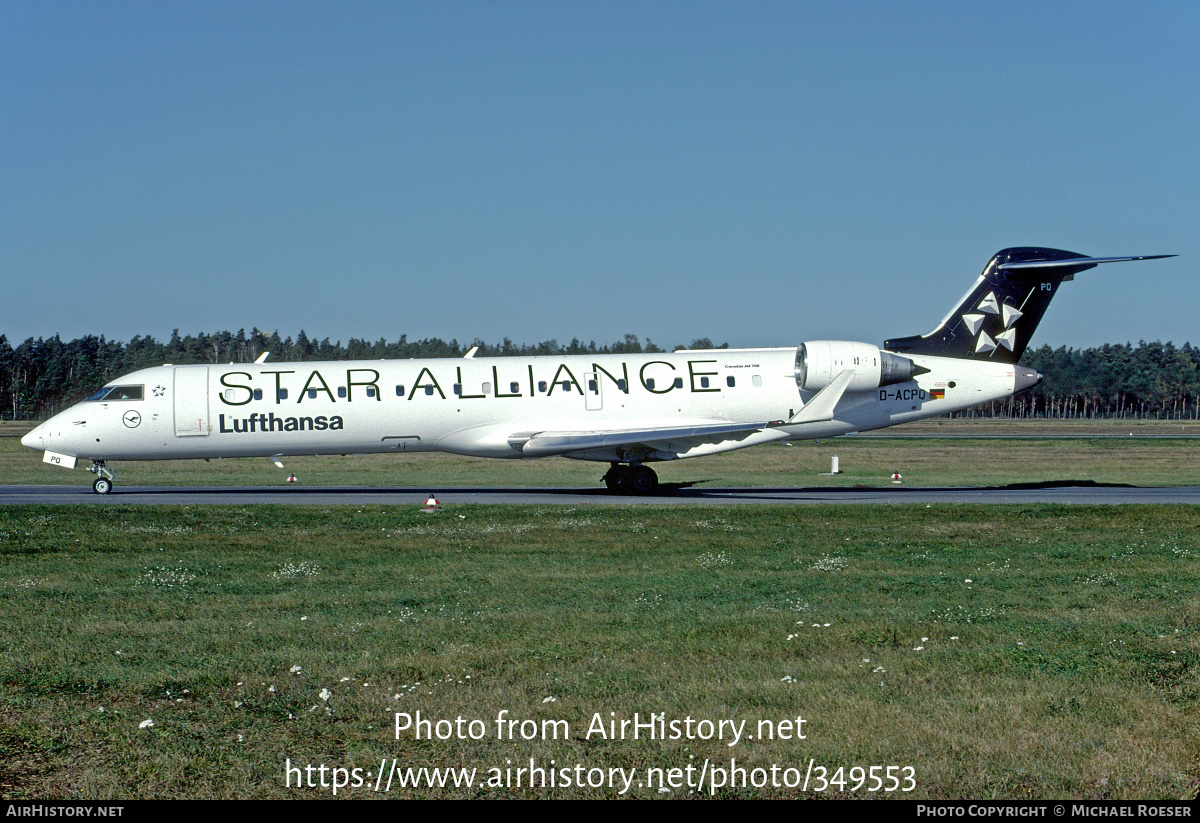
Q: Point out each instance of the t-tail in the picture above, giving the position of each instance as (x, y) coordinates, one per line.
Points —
(998, 315)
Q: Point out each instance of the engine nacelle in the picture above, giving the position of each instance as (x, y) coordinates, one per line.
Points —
(819, 361)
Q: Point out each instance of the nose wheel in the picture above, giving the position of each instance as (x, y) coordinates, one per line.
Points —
(105, 479)
(631, 479)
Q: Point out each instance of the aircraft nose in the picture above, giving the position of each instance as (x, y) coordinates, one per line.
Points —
(33, 440)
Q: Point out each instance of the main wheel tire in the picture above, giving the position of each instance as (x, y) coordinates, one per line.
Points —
(102, 485)
(643, 480)
(616, 478)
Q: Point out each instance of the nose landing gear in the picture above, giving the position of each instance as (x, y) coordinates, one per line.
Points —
(105, 479)
(631, 479)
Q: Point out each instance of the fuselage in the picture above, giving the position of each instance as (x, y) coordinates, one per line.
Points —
(491, 406)
(624, 409)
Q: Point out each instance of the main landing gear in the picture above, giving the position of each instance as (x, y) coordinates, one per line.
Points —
(105, 479)
(632, 479)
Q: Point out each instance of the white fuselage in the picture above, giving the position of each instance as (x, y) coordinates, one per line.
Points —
(496, 406)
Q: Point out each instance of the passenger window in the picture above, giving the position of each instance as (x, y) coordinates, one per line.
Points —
(729, 381)
(341, 391)
(542, 385)
(282, 394)
(566, 384)
(704, 382)
(592, 387)
(487, 388)
(757, 380)
(457, 389)
(258, 394)
(312, 394)
(429, 390)
(650, 384)
(679, 382)
(370, 391)
(514, 388)
(621, 384)
(399, 391)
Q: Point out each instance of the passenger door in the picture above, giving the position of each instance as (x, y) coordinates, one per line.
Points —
(191, 401)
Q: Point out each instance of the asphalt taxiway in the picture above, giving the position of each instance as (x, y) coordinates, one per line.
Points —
(1081, 494)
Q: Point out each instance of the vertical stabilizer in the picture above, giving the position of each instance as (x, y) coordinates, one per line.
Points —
(998, 316)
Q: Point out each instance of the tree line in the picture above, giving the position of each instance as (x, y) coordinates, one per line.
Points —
(42, 376)
(1155, 381)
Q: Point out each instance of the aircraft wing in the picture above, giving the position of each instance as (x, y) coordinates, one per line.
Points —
(547, 443)
(679, 438)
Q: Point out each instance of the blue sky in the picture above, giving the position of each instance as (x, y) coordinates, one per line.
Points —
(759, 173)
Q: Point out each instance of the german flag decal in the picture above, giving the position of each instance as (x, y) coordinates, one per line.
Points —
(937, 394)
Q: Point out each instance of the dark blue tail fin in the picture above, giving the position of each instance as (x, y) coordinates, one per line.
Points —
(997, 317)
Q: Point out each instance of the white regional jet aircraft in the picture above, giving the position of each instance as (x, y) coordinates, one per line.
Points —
(628, 410)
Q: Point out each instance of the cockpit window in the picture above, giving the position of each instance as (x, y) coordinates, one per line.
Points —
(109, 393)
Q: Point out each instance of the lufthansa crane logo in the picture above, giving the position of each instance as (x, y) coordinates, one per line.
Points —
(131, 419)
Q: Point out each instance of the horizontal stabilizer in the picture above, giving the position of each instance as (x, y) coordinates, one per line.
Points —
(1078, 261)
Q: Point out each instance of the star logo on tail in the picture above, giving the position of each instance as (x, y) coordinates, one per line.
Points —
(989, 307)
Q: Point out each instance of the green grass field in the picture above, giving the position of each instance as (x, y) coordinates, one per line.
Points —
(1001, 652)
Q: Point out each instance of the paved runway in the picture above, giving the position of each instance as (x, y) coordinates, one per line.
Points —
(207, 495)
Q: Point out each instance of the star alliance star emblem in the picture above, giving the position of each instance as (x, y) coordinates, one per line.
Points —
(985, 344)
(159, 391)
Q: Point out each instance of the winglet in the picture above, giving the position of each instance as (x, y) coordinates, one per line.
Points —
(821, 407)
(471, 354)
